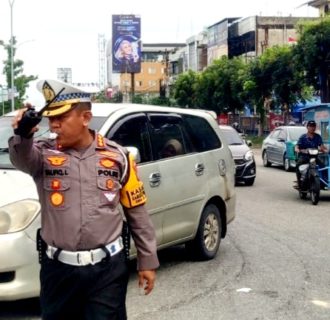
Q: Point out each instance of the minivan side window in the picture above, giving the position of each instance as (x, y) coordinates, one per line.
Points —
(132, 131)
(201, 133)
(168, 136)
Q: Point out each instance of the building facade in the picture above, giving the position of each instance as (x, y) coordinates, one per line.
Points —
(322, 5)
(250, 37)
(159, 61)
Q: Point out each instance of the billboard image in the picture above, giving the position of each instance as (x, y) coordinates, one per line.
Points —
(126, 44)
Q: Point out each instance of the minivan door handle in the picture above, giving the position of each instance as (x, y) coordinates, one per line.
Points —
(154, 179)
(199, 169)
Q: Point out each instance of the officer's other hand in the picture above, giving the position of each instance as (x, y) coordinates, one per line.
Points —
(19, 116)
(147, 280)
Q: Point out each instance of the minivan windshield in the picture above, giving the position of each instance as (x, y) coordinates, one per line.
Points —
(6, 131)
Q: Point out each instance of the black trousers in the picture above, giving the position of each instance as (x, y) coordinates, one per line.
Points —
(93, 292)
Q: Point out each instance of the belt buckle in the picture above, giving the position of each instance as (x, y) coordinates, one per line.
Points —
(85, 257)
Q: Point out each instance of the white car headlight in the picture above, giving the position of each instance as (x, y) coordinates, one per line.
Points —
(249, 156)
(18, 215)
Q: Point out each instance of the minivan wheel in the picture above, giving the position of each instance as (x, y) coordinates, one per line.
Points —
(207, 241)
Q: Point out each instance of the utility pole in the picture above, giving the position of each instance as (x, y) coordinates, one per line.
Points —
(12, 93)
(132, 86)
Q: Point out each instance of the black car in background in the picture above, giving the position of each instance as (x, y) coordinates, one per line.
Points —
(242, 154)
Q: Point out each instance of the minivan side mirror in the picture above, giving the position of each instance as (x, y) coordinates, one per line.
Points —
(135, 153)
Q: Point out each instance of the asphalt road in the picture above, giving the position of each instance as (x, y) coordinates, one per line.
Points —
(273, 264)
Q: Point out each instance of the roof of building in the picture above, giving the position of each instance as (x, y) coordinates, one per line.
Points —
(318, 3)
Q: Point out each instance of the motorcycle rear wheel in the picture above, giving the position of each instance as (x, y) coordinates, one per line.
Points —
(315, 189)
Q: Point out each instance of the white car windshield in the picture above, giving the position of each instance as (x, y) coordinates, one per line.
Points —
(233, 138)
(6, 131)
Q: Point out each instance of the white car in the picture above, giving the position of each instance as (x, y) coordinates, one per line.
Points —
(185, 164)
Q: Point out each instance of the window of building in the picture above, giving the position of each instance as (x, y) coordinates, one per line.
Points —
(151, 70)
(152, 83)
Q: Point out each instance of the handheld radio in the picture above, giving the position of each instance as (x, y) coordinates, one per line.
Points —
(31, 118)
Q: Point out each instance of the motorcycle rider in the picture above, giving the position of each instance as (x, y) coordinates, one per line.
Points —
(310, 139)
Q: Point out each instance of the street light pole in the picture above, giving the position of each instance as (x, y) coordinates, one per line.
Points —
(11, 3)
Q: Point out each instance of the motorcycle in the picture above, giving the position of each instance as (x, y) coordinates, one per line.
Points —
(310, 178)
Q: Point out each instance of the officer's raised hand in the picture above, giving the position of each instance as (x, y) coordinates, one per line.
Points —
(25, 122)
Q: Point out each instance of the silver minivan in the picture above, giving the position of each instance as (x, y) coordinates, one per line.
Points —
(185, 164)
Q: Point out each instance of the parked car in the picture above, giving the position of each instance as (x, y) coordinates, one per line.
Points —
(242, 154)
(278, 147)
(185, 164)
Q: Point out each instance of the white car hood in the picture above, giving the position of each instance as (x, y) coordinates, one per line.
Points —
(238, 151)
(16, 185)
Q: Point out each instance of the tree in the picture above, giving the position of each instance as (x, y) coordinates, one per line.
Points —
(257, 88)
(287, 81)
(221, 84)
(313, 53)
(184, 89)
(21, 81)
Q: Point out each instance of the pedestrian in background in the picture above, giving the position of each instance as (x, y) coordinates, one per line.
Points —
(82, 179)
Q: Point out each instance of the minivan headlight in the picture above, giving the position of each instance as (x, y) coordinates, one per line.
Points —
(18, 215)
(249, 156)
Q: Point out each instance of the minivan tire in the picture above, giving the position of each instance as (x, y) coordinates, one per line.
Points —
(207, 241)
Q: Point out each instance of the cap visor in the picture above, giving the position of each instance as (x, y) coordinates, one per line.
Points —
(53, 112)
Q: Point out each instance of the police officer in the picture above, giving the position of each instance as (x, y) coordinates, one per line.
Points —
(82, 178)
(310, 139)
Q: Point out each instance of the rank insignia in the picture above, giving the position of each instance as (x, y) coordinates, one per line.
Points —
(56, 161)
(106, 163)
(100, 141)
(56, 199)
(109, 154)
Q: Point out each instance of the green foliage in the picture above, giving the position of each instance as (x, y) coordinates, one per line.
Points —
(257, 85)
(313, 54)
(184, 90)
(220, 86)
(21, 81)
(255, 140)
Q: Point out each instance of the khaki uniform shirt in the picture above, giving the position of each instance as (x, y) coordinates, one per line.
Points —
(79, 194)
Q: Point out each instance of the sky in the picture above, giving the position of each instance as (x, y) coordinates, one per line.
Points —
(55, 34)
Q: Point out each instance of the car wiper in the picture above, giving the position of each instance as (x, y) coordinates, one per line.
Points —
(4, 149)
(236, 144)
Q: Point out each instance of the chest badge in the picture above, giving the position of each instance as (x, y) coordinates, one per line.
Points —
(106, 163)
(56, 199)
(56, 161)
(109, 184)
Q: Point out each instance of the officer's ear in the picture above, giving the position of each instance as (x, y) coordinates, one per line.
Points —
(87, 117)
(84, 110)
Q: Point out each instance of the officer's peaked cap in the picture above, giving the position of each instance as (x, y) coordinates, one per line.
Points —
(61, 96)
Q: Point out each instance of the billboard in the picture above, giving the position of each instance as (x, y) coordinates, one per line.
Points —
(126, 44)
